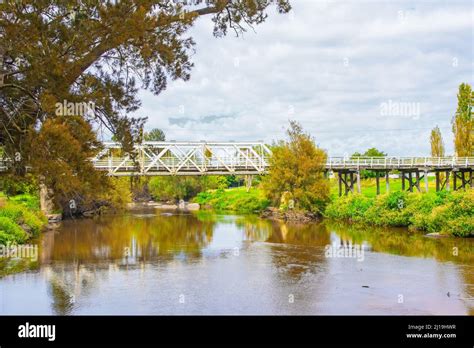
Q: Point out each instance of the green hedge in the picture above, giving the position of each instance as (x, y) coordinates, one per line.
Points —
(446, 212)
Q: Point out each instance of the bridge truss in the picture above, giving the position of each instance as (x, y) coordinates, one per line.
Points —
(252, 158)
(185, 158)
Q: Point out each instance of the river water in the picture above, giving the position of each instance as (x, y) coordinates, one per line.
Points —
(152, 262)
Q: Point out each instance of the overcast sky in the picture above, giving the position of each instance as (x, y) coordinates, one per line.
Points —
(356, 74)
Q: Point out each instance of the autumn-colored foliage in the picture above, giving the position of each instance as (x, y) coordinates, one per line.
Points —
(297, 166)
(60, 154)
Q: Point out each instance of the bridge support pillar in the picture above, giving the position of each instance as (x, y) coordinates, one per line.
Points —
(248, 182)
(339, 175)
(465, 176)
(417, 184)
(413, 180)
(426, 181)
(347, 178)
(377, 183)
(358, 181)
(442, 180)
(346, 187)
(387, 181)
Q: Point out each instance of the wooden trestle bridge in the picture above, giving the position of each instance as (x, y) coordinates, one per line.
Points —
(252, 158)
(413, 171)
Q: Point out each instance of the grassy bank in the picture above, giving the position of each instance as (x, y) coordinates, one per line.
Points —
(369, 186)
(450, 213)
(236, 200)
(445, 212)
(20, 218)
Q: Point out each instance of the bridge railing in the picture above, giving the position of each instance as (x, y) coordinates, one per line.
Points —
(399, 162)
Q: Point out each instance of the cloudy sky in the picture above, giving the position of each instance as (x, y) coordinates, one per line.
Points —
(356, 74)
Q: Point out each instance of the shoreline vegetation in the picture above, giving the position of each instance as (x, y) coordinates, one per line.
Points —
(20, 219)
(446, 213)
(443, 213)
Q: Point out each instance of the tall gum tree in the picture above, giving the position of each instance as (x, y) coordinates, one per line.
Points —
(99, 52)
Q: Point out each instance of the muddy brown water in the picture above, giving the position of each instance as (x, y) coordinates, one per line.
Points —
(152, 262)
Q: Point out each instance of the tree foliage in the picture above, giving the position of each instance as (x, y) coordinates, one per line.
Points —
(437, 145)
(154, 135)
(372, 152)
(297, 166)
(60, 155)
(172, 188)
(463, 123)
(100, 53)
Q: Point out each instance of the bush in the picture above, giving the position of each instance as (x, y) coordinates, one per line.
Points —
(11, 232)
(455, 216)
(119, 193)
(236, 200)
(28, 200)
(446, 212)
(21, 215)
(351, 207)
(180, 187)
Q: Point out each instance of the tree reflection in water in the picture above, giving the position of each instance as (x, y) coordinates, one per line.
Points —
(83, 257)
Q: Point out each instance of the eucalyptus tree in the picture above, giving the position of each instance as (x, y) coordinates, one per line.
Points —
(57, 52)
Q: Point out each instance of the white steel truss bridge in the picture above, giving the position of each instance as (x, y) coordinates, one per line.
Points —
(252, 158)
(185, 158)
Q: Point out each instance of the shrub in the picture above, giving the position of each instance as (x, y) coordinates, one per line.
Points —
(236, 200)
(446, 212)
(21, 215)
(351, 207)
(11, 232)
(29, 201)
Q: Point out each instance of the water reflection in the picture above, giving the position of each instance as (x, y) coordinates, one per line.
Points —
(131, 238)
(141, 261)
(399, 241)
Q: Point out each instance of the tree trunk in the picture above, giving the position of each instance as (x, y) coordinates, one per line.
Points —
(46, 199)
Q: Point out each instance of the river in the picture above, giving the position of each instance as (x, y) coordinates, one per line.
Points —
(148, 261)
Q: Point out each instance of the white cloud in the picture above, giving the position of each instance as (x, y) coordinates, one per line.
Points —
(332, 63)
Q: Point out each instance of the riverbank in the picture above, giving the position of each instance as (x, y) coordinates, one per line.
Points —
(450, 213)
(20, 219)
(446, 213)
